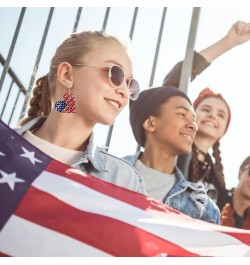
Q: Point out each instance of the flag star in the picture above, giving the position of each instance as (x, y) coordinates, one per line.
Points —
(10, 179)
(30, 156)
(2, 154)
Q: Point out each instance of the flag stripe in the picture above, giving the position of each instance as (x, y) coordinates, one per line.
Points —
(78, 224)
(146, 204)
(19, 238)
(136, 199)
(3, 254)
(50, 209)
(173, 231)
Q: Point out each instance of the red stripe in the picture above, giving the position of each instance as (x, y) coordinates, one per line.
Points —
(107, 234)
(3, 254)
(70, 100)
(136, 199)
(241, 236)
(70, 107)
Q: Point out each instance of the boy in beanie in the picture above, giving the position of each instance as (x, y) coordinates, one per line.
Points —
(163, 122)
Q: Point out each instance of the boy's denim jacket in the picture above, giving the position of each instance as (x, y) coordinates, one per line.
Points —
(97, 162)
(188, 197)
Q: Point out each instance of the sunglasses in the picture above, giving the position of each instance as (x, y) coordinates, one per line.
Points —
(117, 77)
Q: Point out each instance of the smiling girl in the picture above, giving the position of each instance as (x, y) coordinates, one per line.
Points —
(90, 81)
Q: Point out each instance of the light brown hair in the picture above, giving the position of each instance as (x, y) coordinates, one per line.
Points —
(73, 48)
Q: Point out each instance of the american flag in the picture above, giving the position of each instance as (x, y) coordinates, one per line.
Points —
(50, 209)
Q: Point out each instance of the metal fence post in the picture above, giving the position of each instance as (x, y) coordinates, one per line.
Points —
(39, 55)
(188, 62)
(12, 46)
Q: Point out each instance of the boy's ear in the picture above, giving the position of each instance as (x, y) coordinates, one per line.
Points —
(65, 74)
(149, 124)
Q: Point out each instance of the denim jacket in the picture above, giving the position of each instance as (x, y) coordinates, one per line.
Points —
(219, 194)
(187, 197)
(97, 162)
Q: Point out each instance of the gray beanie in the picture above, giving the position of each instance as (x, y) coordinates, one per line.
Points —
(149, 100)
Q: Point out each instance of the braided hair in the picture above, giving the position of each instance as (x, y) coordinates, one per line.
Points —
(218, 163)
(195, 172)
(194, 169)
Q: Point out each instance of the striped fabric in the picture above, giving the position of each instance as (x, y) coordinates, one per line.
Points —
(50, 209)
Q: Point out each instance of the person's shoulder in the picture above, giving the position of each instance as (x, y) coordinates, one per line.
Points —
(197, 187)
(115, 159)
(130, 158)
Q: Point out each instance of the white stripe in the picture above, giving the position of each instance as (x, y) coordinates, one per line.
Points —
(197, 237)
(21, 238)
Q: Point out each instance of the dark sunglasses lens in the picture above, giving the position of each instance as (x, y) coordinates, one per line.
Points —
(116, 75)
(134, 89)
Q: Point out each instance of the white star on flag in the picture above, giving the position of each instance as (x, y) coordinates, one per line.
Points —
(30, 156)
(10, 179)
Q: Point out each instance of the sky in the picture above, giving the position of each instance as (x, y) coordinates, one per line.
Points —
(228, 75)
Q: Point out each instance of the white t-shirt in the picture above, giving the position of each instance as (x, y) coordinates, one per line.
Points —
(158, 184)
(64, 155)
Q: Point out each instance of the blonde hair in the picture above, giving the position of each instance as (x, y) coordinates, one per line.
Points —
(73, 48)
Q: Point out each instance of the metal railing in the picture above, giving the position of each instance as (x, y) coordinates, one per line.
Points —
(26, 91)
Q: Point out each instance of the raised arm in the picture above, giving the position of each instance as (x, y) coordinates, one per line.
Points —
(238, 34)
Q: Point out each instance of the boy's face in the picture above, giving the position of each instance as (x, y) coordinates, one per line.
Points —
(175, 126)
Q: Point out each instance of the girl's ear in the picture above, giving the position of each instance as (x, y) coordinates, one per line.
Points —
(149, 124)
(65, 74)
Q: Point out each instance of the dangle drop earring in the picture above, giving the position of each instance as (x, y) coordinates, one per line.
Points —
(68, 104)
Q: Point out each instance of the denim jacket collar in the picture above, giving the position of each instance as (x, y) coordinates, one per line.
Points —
(92, 154)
